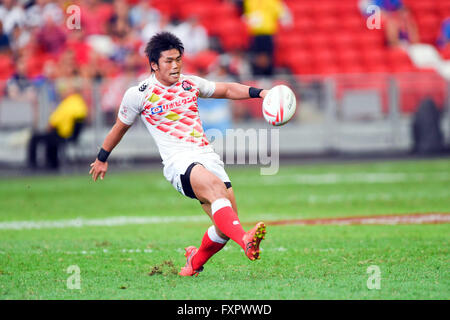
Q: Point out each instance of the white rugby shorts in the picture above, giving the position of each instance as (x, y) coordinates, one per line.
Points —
(175, 170)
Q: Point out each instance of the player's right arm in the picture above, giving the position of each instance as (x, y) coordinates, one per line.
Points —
(130, 108)
(98, 167)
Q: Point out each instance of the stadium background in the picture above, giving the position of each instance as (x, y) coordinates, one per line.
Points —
(359, 93)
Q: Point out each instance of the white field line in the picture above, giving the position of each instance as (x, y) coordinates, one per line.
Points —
(335, 178)
(136, 251)
(370, 197)
(103, 222)
(391, 220)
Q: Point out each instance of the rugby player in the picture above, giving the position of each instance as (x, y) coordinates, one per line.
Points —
(167, 104)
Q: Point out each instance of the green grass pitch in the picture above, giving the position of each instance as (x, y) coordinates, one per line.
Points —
(140, 261)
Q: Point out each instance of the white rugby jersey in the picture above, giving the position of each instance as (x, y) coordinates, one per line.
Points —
(170, 113)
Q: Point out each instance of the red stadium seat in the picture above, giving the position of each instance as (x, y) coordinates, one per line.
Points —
(165, 7)
(299, 8)
(289, 40)
(348, 56)
(323, 8)
(445, 52)
(6, 67)
(369, 39)
(352, 68)
(371, 56)
(423, 5)
(428, 21)
(299, 61)
(304, 24)
(327, 68)
(377, 68)
(324, 57)
(317, 41)
(397, 56)
(352, 22)
(342, 40)
(327, 24)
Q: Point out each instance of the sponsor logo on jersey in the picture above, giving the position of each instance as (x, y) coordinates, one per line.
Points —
(143, 87)
(156, 110)
(186, 85)
(172, 105)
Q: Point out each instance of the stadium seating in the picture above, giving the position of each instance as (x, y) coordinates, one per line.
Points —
(6, 66)
(220, 18)
(330, 37)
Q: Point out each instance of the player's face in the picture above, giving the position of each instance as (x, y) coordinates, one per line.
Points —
(168, 69)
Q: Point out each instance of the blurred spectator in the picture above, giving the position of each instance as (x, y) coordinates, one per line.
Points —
(95, 16)
(64, 123)
(398, 23)
(444, 35)
(51, 37)
(4, 40)
(216, 113)
(237, 65)
(19, 38)
(142, 14)
(151, 28)
(262, 17)
(20, 87)
(193, 35)
(114, 89)
(76, 42)
(119, 24)
(426, 128)
(11, 14)
(67, 65)
(41, 10)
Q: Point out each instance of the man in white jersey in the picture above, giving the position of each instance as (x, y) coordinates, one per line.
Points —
(167, 104)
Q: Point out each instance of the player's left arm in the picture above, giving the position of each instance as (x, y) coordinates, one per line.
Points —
(234, 91)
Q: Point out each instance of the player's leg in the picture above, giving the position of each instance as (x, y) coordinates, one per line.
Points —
(253, 236)
(213, 240)
(207, 208)
(209, 189)
(220, 204)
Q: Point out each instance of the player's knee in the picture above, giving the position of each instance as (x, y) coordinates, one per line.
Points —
(216, 190)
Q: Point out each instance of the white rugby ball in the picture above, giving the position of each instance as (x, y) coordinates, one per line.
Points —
(279, 105)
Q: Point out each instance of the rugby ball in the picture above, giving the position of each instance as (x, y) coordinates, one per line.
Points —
(279, 105)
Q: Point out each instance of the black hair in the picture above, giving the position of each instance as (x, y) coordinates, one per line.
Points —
(162, 41)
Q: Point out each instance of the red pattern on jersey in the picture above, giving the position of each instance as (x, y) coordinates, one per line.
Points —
(169, 97)
(157, 91)
(163, 128)
(175, 112)
(177, 134)
(187, 121)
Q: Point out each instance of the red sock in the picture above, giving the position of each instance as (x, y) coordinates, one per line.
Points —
(211, 244)
(227, 220)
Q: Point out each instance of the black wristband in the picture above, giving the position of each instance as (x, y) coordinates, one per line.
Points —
(103, 155)
(254, 92)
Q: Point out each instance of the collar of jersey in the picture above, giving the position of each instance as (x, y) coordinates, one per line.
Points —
(153, 77)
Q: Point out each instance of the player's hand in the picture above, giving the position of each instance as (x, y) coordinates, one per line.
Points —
(263, 93)
(98, 168)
